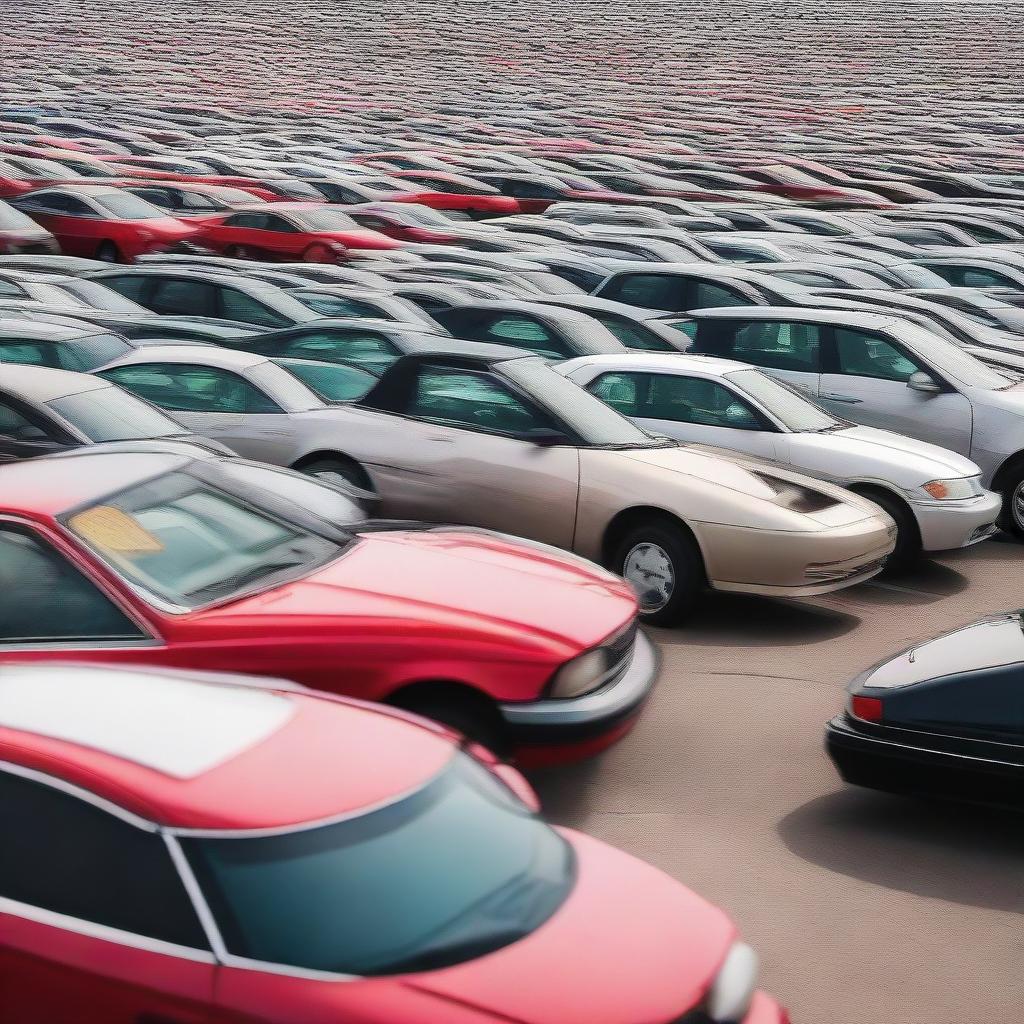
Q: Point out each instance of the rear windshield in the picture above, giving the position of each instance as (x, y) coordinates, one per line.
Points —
(457, 870)
(110, 414)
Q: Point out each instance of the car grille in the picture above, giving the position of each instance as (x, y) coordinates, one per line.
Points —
(823, 572)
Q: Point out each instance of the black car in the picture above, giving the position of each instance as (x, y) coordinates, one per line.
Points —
(944, 718)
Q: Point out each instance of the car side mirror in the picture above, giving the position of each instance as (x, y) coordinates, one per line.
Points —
(544, 437)
(925, 382)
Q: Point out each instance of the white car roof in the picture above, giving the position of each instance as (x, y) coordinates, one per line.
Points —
(198, 355)
(657, 362)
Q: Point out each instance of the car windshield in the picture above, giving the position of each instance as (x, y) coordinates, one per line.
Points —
(92, 350)
(188, 543)
(324, 220)
(99, 296)
(110, 414)
(454, 871)
(948, 358)
(596, 424)
(786, 405)
(126, 206)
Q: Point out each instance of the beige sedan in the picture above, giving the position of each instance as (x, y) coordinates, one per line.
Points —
(503, 441)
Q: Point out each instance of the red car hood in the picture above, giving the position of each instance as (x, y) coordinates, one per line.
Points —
(629, 945)
(455, 577)
(457, 201)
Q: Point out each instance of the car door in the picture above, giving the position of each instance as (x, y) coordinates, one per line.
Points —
(238, 234)
(786, 349)
(214, 403)
(95, 923)
(24, 433)
(469, 458)
(689, 408)
(866, 377)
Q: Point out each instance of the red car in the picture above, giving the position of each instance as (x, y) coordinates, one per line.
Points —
(313, 232)
(226, 565)
(102, 222)
(187, 848)
(349, 191)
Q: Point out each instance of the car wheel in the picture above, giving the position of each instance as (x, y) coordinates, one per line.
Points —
(236, 252)
(108, 253)
(908, 548)
(330, 470)
(461, 709)
(317, 254)
(664, 566)
(1011, 518)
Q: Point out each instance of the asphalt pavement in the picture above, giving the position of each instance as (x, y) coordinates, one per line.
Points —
(864, 907)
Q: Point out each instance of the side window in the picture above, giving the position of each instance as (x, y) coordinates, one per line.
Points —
(271, 223)
(370, 222)
(624, 392)
(16, 425)
(975, 277)
(43, 598)
(29, 353)
(236, 305)
(157, 196)
(654, 291)
(634, 336)
(368, 349)
(246, 220)
(523, 332)
(184, 297)
(75, 207)
(335, 305)
(179, 387)
(68, 856)
(778, 346)
(696, 400)
(708, 296)
(130, 286)
(809, 277)
(860, 354)
(473, 400)
(333, 382)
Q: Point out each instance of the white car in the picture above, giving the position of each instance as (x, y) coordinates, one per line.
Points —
(935, 496)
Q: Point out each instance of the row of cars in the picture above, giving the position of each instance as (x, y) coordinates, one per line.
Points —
(258, 356)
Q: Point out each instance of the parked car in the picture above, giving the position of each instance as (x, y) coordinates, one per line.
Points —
(67, 345)
(103, 223)
(166, 560)
(249, 848)
(20, 234)
(940, 719)
(499, 439)
(881, 371)
(934, 496)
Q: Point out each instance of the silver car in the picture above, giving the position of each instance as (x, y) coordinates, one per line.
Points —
(881, 371)
(934, 496)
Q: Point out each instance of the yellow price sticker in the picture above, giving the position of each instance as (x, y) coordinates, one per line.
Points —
(114, 531)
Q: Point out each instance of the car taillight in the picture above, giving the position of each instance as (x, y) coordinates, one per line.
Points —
(867, 709)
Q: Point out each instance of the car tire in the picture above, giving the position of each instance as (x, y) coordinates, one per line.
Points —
(236, 252)
(317, 254)
(664, 558)
(108, 253)
(1011, 518)
(459, 708)
(348, 469)
(908, 548)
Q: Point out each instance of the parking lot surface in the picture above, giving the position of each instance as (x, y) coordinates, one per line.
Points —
(864, 907)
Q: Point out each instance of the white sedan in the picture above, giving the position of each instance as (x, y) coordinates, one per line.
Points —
(935, 496)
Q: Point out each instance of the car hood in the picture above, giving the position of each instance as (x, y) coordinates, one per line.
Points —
(457, 579)
(990, 643)
(629, 945)
(857, 449)
(753, 480)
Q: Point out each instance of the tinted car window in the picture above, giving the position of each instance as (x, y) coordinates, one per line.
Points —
(336, 305)
(131, 286)
(861, 354)
(246, 220)
(675, 398)
(475, 400)
(522, 332)
(448, 874)
(708, 296)
(69, 856)
(182, 296)
(363, 348)
(180, 387)
(632, 335)
(43, 598)
(110, 414)
(654, 291)
(236, 305)
(30, 353)
(333, 382)
(14, 424)
(777, 345)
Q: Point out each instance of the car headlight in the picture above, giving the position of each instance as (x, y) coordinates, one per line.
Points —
(953, 490)
(732, 991)
(581, 675)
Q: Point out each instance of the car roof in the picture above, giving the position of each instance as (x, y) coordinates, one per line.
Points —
(203, 355)
(43, 384)
(197, 751)
(805, 314)
(40, 330)
(659, 362)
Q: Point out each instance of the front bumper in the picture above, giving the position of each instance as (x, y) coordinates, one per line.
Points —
(920, 764)
(591, 717)
(946, 525)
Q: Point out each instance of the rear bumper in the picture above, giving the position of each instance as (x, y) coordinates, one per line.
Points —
(957, 524)
(901, 761)
(584, 724)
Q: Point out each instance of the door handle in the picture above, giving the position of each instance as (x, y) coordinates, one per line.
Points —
(848, 399)
(440, 440)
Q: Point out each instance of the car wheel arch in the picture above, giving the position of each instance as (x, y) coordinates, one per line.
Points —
(465, 700)
(626, 519)
(328, 455)
(913, 543)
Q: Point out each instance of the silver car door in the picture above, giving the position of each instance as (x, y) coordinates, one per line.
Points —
(869, 384)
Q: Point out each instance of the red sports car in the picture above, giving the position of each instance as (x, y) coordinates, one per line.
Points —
(167, 559)
(102, 222)
(188, 848)
(314, 232)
